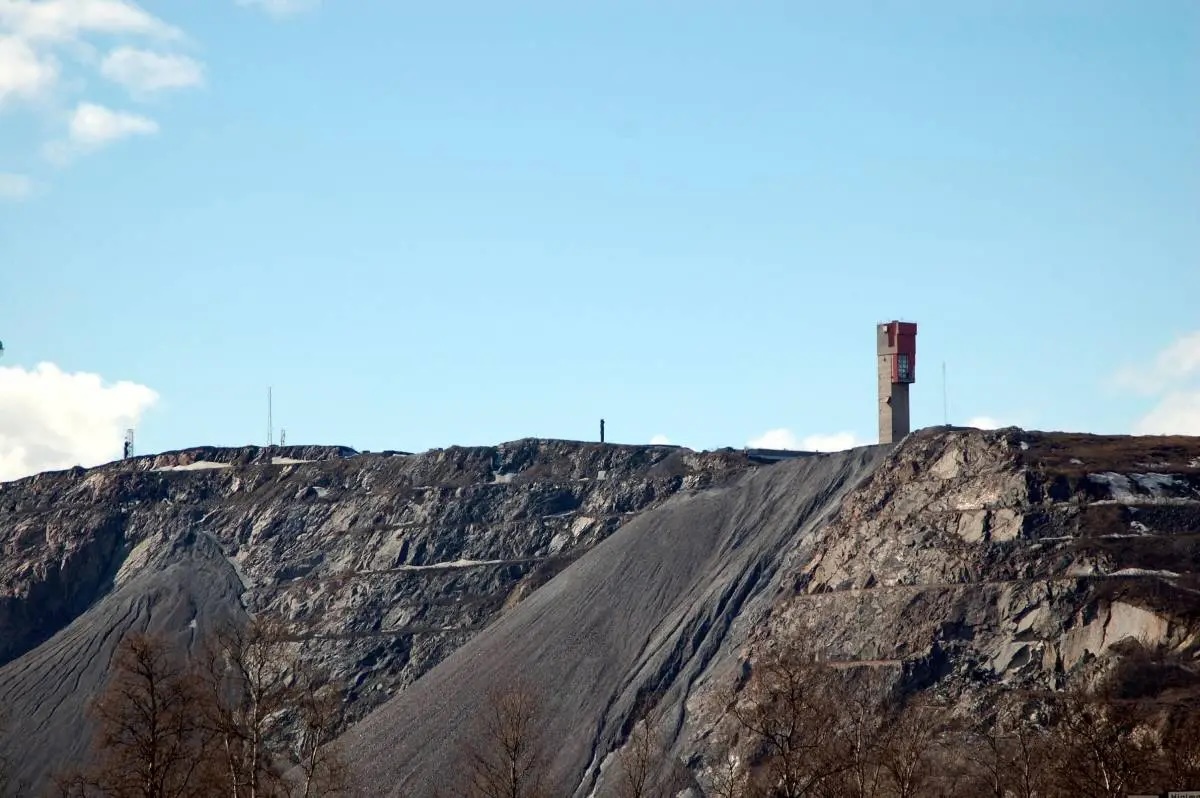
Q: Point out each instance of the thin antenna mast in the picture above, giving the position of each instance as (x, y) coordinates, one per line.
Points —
(945, 400)
(270, 426)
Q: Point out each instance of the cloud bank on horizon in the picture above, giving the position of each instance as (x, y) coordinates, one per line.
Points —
(1172, 380)
(51, 419)
(783, 438)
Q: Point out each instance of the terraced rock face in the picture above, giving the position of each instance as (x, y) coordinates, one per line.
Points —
(960, 562)
(381, 565)
(639, 619)
(991, 557)
(974, 562)
(614, 579)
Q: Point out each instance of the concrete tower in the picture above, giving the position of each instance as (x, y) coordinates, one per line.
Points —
(896, 351)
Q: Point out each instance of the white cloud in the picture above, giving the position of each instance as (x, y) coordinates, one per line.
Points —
(14, 187)
(660, 440)
(1178, 362)
(281, 8)
(835, 442)
(49, 47)
(94, 126)
(1172, 378)
(50, 419)
(1177, 413)
(786, 439)
(24, 73)
(64, 20)
(986, 422)
(144, 72)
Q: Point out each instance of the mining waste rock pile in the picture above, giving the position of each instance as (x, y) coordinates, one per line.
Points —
(644, 612)
(612, 581)
(958, 562)
(381, 564)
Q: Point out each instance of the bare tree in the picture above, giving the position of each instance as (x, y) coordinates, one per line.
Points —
(789, 710)
(637, 761)
(150, 740)
(269, 711)
(910, 747)
(321, 763)
(507, 758)
(645, 768)
(863, 731)
(1008, 753)
(248, 677)
(1181, 749)
(724, 778)
(1097, 748)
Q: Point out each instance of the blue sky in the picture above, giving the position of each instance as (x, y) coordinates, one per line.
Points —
(461, 223)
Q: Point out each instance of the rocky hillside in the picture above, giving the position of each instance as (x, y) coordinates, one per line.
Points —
(1008, 557)
(959, 562)
(613, 579)
(382, 563)
(637, 621)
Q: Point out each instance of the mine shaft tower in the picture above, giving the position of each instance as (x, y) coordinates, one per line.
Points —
(896, 353)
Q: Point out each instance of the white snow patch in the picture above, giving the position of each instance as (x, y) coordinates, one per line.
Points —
(503, 479)
(199, 465)
(321, 492)
(1024, 446)
(1076, 461)
(287, 461)
(1119, 486)
(1143, 572)
(1140, 530)
(1158, 484)
(459, 563)
(1152, 487)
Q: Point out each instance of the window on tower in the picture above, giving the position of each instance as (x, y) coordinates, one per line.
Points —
(902, 367)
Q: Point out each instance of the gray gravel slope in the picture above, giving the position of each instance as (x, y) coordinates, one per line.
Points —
(47, 691)
(646, 610)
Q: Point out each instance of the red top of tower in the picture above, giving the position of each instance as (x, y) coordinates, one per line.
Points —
(902, 338)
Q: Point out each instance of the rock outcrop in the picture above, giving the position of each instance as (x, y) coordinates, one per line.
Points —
(381, 564)
(637, 619)
(615, 579)
(960, 562)
(989, 557)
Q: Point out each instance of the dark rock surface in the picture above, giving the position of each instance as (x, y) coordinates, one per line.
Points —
(643, 613)
(381, 565)
(614, 578)
(959, 562)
